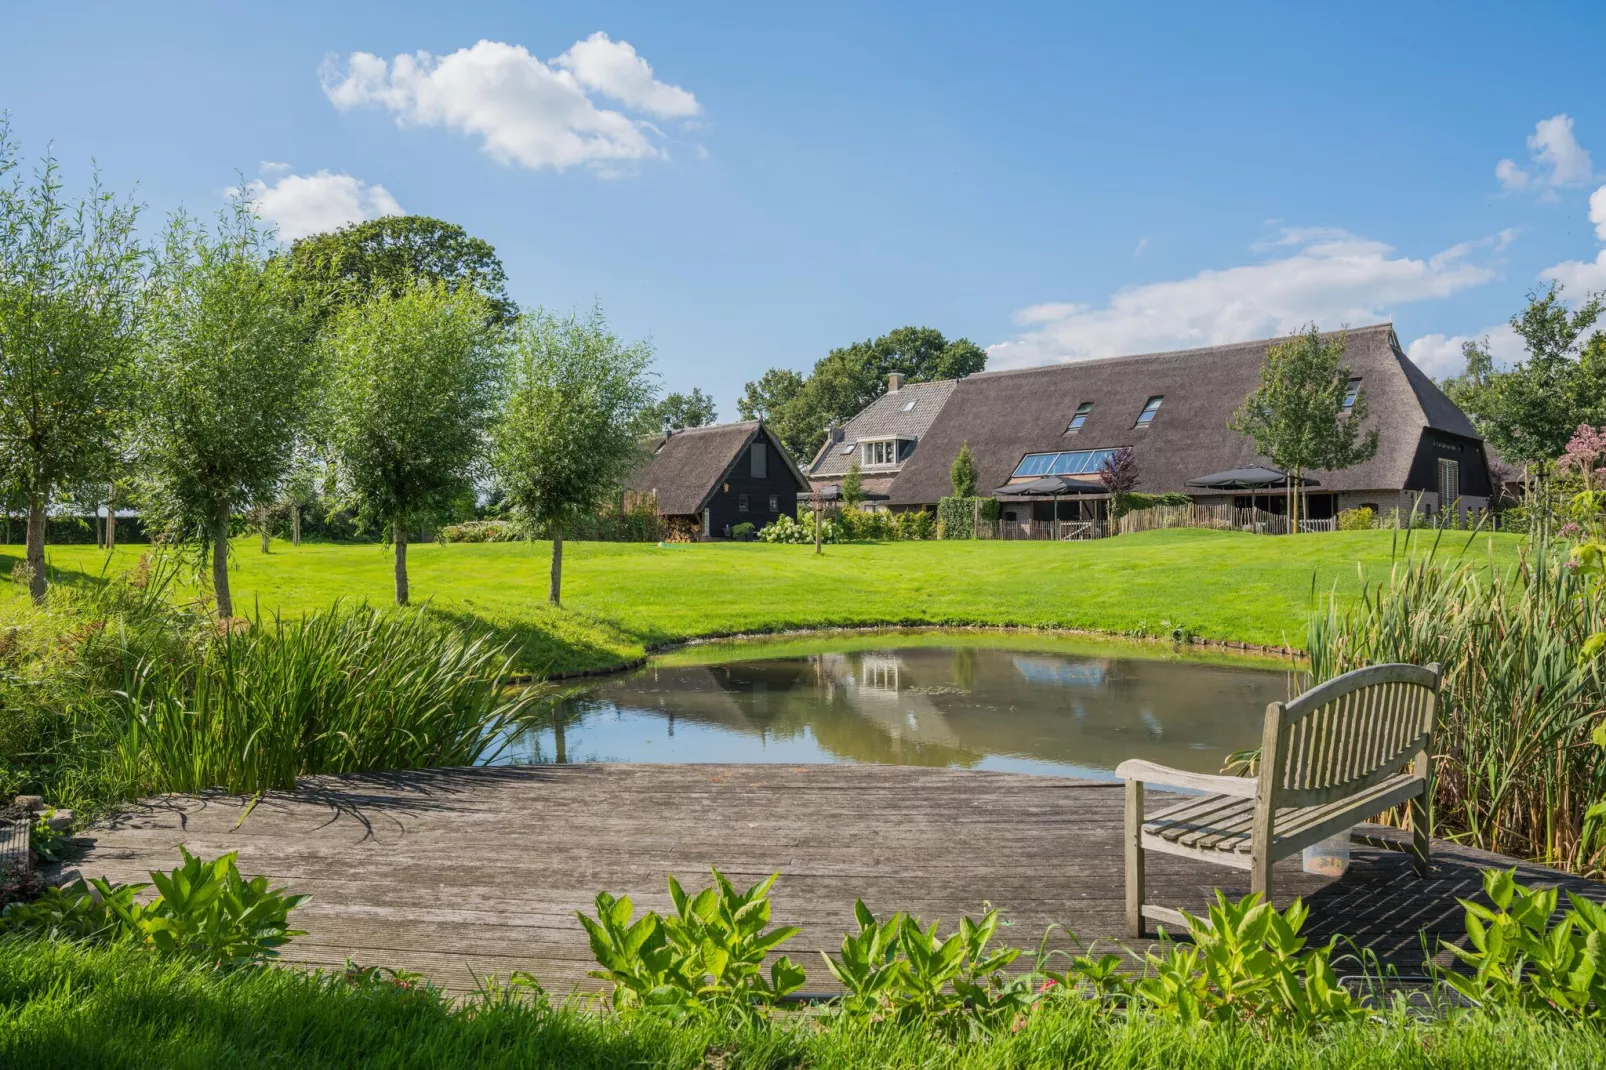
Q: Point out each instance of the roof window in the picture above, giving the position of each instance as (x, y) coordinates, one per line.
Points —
(1351, 393)
(909, 406)
(849, 447)
(1150, 407)
(1079, 462)
(1083, 411)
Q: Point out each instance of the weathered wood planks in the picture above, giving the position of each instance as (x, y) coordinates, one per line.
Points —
(465, 873)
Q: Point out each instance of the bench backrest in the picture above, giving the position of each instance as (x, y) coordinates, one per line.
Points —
(1347, 734)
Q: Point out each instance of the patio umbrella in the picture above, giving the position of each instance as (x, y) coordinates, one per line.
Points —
(832, 492)
(1250, 479)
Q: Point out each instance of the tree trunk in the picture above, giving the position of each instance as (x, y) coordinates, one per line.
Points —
(555, 591)
(35, 555)
(220, 563)
(399, 530)
(263, 528)
(111, 519)
(295, 523)
(1293, 509)
(559, 744)
(819, 519)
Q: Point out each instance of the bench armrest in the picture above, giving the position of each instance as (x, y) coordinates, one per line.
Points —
(1242, 787)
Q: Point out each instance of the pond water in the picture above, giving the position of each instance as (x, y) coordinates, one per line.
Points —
(1070, 713)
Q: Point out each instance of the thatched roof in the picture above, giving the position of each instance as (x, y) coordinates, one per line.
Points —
(685, 469)
(1006, 415)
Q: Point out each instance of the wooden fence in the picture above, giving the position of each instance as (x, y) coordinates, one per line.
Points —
(1218, 517)
(1046, 530)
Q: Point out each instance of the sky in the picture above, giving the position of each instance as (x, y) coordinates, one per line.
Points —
(751, 185)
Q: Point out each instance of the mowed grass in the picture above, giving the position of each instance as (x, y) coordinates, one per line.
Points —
(623, 598)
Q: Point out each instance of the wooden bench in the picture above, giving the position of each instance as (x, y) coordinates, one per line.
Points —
(1338, 754)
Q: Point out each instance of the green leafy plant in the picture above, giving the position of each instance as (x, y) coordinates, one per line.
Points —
(742, 530)
(1518, 959)
(705, 958)
(1361, 519)
(48, 843)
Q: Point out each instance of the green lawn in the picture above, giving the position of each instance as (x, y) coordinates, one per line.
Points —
(620, 598)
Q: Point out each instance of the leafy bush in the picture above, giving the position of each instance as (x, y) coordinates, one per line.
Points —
(203, 910)
(956, 517)
(48, 843)
(1131, 501)
(742, 530)
(1356, 519)
(706, 958)
(799, 532)
(480, 531)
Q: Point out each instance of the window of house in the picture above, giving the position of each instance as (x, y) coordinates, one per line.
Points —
(883, 452)
(775, 503)
(1449, 482)
(1075, 463)
(1351, 392)
(1083, 411)
(1150, 407)
(759, 460)
(741, 503)
(909, 406)
(849, 447)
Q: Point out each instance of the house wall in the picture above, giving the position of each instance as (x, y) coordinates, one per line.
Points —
(725, 505)
(1468, 453)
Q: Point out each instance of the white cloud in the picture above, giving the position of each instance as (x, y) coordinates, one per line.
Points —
(526, 112)
(1597, 212)
(1329, 277)
(1579, 276)
(300, 205)
(1440, 355)
(613, 68)
(1559, 160)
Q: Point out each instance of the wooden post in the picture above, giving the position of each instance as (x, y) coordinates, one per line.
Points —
(819, 519)
(1134, 859)
(1263, 827)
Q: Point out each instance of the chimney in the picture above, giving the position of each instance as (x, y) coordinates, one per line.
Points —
(894, 382)
(669, 427)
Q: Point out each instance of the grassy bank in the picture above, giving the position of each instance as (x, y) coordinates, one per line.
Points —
(70, 1006)
(621, 598)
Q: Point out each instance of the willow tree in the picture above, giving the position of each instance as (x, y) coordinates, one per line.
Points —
(566, 438)
(70, 274)
(415, 376)
(230, 376)
(1297, 416)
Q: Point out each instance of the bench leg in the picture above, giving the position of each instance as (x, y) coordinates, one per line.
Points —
(1417, 807)
(1260, 874)
(1134, 859)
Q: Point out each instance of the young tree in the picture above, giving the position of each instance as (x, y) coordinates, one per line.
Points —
(680, 411)
(69, 298)
(1119, 475)
(390, 254)
(414, 382)
(1296, 416)
(230, 379)
(962, 473)
(566, 438)
(853, 484)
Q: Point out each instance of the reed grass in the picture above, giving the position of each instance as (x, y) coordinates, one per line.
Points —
(1515, 766)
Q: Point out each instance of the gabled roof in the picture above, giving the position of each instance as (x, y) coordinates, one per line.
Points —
(685, 469)
(884, 418)
(1007, 414)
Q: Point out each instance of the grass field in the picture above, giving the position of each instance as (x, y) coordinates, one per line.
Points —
(621, 598)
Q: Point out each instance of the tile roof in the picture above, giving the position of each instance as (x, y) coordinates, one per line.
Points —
(1007, 414)
(885, 418)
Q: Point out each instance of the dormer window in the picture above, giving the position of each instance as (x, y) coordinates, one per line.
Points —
(1351, 392)
(884, 452)
(1150, 407)
(1083, 411)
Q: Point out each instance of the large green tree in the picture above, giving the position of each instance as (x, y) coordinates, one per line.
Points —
(1528, 413)
(413, 386)
(847, 379)
(230, 378)
(567, 437)
(1297, 416)
(70, 281)
(391, 254)
(679, 411)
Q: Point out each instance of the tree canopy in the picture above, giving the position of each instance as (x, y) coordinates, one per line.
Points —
(1297, 416)
(800, 409)
(229, 380)
(1529, 412)
(383, 255)
(414, 380)
(69, 301)
(567, 437)
(681, 411)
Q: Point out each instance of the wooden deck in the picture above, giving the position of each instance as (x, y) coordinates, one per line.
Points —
(465, 873)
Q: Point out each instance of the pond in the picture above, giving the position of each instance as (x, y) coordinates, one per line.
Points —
(1062, 708)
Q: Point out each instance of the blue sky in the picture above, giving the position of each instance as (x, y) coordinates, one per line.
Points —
(1050, 183)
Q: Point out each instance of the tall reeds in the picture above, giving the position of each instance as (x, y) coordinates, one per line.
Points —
(1515, 766)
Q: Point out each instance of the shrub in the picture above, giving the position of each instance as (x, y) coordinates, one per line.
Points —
(742, 530)
(799, 532)
(480, 531)
(1356, 519)
(956, 517)
(1131, 501)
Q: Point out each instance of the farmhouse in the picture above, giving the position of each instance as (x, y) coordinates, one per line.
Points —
(1027, 426)
(881, 437)
(707, 480)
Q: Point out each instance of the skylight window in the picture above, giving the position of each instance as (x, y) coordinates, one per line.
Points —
(1083, 411)
(849, 447)
(909, 406)
(1351, 392)
(1077, 463)
(1150, 407)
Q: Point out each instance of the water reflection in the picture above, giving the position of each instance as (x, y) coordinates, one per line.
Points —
(974, 707)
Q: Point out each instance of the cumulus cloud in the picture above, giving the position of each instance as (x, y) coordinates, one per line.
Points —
(1441, 355)
(1327, 276)
(300, 205)
(1557, 158)
(1579, 276)
(1597, 212)
(524, 111)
